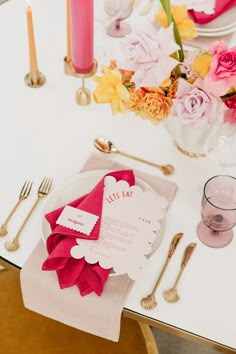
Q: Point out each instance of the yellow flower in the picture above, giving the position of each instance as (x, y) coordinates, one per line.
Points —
(186, 27)
(126, 75)
(201, 65)
(232, 89)
(166, 83)
(110, 90)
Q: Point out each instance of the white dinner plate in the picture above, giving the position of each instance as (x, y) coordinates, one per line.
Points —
(216, 33)
(224, 22)
(81, 184)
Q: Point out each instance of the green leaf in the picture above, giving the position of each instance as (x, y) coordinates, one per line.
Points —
(166, 6)
(178, 40)
(170, 19)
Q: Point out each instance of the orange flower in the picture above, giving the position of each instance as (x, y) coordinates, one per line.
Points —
(154, 89)
(186, 27)
(155, 106)
(113, 64)
(135, 97)
(173, 89)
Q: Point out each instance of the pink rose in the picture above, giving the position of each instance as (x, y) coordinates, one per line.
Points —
(196, 107)
(222, 74)
(147, 52)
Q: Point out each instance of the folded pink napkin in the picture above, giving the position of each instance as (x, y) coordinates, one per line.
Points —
(221, 6)
(71, 271)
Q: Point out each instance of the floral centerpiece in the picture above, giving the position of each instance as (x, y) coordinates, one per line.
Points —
(159, 82)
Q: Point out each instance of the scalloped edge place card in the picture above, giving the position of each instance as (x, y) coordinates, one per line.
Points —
(78, 220)
(129, 225)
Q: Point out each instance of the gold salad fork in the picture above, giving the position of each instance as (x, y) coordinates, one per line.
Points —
(43, 190)
(24, 193)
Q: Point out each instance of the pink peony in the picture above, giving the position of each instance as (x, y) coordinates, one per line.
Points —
(196, 107)
(147, 52)
(222, 74)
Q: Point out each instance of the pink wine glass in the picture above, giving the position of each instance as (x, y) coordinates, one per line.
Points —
(118, 11)
(218, 211)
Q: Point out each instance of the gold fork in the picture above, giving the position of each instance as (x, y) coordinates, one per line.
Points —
(25, 191)
(43, 190)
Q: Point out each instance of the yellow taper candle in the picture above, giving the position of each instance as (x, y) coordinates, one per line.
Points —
(68, 30)
(32, 49)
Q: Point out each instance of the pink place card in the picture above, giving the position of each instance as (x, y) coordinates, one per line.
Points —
(130, 223)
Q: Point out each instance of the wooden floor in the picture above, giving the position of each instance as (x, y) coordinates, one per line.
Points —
(26, 332)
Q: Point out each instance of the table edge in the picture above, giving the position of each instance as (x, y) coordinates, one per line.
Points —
(178, 331)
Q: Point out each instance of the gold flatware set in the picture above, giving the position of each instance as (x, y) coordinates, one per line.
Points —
(43, 190)
(149, 302)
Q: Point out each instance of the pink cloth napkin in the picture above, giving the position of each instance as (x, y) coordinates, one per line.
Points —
(221, 6)
(96, 315)
(70, 271)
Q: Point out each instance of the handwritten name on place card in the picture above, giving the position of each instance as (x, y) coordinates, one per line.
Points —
(77, 220)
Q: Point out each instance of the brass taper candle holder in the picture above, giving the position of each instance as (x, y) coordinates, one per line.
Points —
(83, 95)
(35, 79)
(67, 66)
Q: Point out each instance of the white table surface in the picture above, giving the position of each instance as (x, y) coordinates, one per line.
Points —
(44, 132)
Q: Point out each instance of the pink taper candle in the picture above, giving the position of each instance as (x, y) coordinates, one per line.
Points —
(82, 35)
(68, 30)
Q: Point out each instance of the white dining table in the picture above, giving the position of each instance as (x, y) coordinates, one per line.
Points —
(44, 132)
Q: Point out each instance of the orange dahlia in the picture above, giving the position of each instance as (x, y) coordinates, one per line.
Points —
(173, 89)
(135, 98)
(155, 106)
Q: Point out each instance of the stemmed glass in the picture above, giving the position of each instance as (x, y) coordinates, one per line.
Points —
(222, 147)
(218, 211)
(118, 11)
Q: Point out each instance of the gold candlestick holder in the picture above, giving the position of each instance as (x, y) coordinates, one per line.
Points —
(35, 79)
(67, 66)
(83, 95)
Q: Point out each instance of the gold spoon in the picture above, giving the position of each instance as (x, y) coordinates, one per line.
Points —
(149, 302)
(172, 295)
(107, 146)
